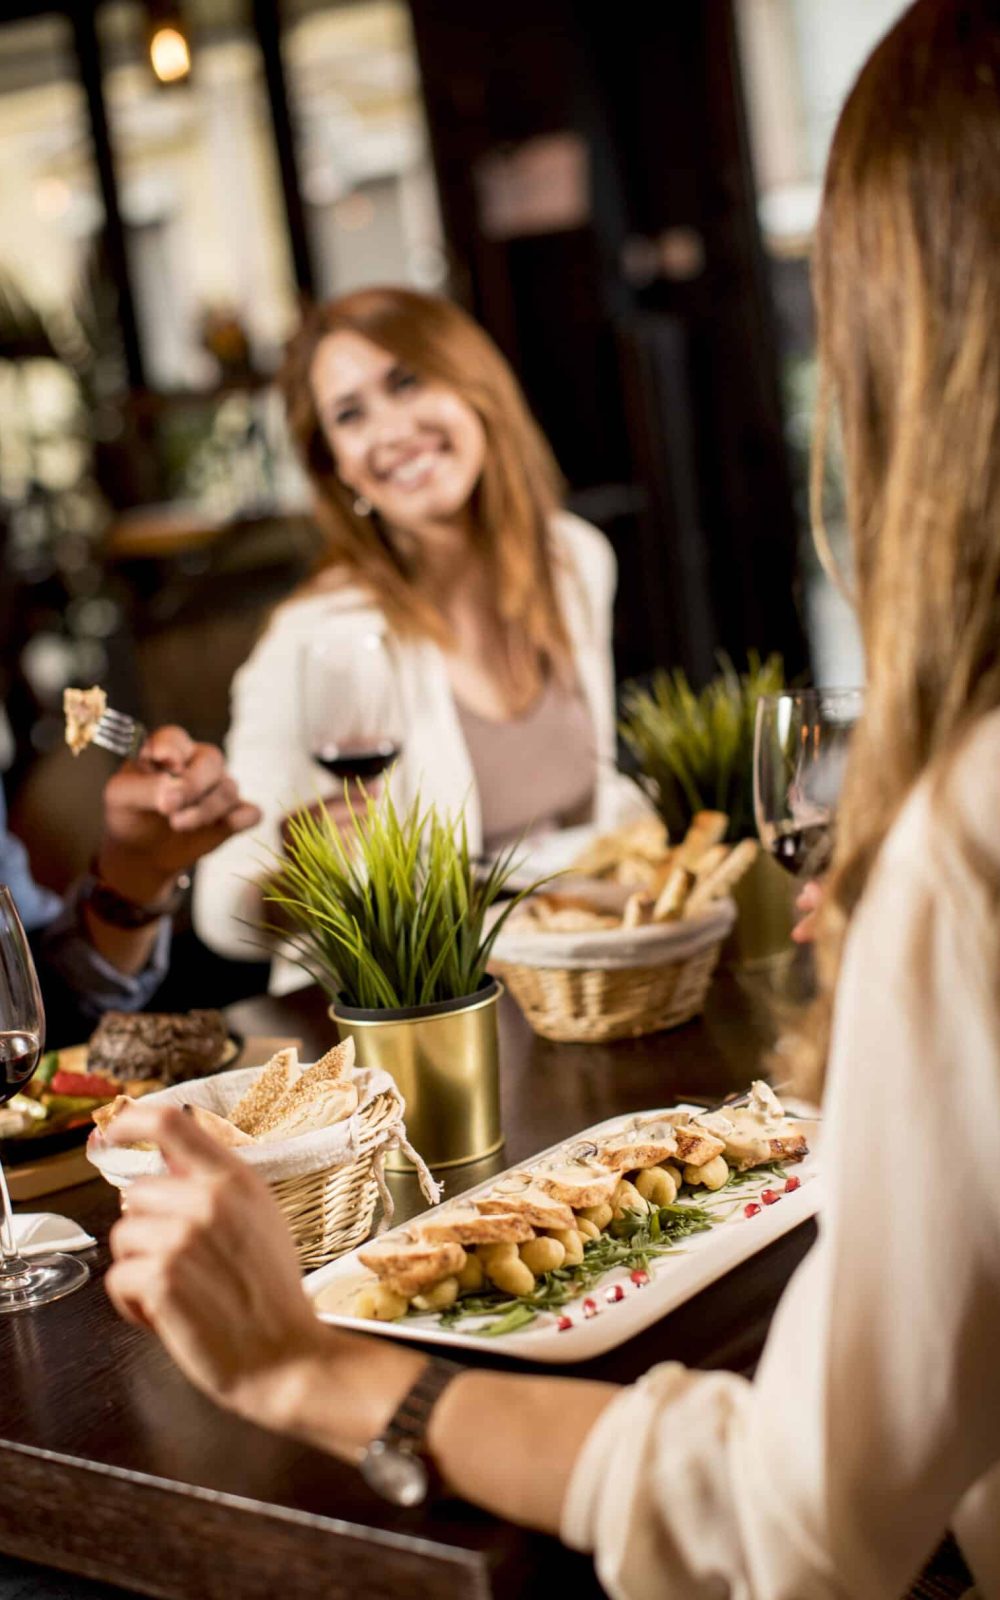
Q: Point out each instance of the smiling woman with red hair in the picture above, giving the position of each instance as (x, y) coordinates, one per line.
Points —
(438, 499)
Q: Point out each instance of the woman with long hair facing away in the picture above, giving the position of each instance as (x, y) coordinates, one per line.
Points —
(873, 1421)
(439, 502)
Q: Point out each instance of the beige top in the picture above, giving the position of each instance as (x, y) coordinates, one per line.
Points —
(534, 772)
(873, 1422)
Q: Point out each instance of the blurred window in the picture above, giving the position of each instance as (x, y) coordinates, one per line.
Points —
(367, 183)
(800, 58)
(200, 196)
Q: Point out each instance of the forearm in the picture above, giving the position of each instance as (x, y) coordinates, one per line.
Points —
(343, 1395)
(127, 949)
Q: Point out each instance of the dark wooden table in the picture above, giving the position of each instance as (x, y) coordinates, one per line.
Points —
(112, 1466)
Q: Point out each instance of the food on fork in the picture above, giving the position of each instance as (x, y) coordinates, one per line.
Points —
(130, 1045)
(540, 1237)
(83, 710)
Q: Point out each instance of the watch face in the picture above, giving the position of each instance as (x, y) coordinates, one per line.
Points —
(394, 1474)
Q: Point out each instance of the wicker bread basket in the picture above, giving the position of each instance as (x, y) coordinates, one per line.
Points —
(327, 1184)
(613, 984)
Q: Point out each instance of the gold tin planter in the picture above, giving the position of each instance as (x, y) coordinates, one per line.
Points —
(445, 1061)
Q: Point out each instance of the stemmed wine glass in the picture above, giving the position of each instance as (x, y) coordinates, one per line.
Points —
(801, 741)
(23, 1284)
(350, 700)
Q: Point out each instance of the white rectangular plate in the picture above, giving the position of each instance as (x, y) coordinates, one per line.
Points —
(696, 1262)
(674, 1279)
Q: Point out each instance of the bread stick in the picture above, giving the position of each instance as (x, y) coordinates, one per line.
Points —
(719, 882)
(708, 828)
(670, 904)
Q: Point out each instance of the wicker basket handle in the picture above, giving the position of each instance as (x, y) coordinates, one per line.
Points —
(395, 1139)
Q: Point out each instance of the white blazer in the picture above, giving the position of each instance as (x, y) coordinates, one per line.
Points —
(268, 756)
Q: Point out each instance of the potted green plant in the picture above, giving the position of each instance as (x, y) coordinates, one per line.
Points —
(693, 751)
(390, 917)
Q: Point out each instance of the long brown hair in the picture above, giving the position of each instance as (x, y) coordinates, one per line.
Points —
(909, 338)
(519, 488)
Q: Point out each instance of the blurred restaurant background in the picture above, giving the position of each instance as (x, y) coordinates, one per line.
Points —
(623, 194)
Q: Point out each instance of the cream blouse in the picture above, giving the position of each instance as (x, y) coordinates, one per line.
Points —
(873, 1422)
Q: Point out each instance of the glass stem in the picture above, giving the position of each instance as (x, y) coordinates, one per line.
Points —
(12, 1265)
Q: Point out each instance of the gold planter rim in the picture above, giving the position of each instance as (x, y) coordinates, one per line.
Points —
(360, 1017)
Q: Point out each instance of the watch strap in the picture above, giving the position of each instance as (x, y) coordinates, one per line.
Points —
(119, 911)
(395, 1464)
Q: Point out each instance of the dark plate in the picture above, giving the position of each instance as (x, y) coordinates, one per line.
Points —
(27, 1147)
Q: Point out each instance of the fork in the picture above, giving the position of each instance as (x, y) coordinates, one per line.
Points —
(122, 735)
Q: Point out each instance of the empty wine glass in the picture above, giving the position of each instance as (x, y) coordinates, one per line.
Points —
(801, 742)
(351, 701)
(23, 1284)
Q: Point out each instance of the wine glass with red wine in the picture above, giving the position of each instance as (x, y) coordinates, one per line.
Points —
(23, 1284)
(800, 750)
(351, 701)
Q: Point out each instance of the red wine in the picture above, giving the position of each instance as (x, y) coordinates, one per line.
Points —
(359, 761)
(802, 850)
(19, 1053)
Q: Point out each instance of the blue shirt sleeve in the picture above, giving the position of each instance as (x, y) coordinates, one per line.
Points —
(67, 961)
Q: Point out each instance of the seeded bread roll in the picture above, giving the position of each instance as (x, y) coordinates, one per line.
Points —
(275, 1080)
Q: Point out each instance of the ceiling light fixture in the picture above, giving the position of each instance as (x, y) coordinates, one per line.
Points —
(169, 50)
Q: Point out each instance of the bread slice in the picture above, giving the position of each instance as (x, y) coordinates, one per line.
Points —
(408, 1264)
(219, 1128)
(319, 1097)
(578, 1186)
(307, 1108)
(468, 1226)
(266, 1090)
(532, 1203)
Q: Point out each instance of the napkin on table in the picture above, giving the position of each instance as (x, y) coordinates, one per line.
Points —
(38, 1232)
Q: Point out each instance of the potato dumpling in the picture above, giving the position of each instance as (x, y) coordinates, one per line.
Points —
(572, 1243)
(378, 1303)
(503, 1250)
(472, 1277)
(586, 1228)
(674, 1172)
(600, 1215)
(510, 1274)
(542, 1255)
(627, 1198)
(714, 1174)
(438, 1297)
(656, 1186)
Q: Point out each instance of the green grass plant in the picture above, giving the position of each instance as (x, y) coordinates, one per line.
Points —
(389, 911)
(694, 749)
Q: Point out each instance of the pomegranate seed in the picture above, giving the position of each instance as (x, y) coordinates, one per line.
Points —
(614, 1294)
(564, 1323)
(751, 1208)
(639, 1278)
(791, 1184)
(590, 1307)
(769, 1196)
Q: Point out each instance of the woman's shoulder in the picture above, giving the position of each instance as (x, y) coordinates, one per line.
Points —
(585, 553)
(950, 822)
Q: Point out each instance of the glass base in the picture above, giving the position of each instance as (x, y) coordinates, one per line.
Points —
(38, 1281)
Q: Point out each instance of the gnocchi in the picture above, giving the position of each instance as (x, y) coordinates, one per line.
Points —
(378, 1303)
(438, 1297)
(571, 1241)
(714, 1174)
(657, 1186)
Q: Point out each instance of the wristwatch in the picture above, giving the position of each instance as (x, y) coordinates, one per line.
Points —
(395, 1464)
(121, 912)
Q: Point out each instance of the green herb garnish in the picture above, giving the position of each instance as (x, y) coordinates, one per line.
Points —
(635, 1240)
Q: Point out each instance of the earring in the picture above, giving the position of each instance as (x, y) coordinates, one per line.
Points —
(362, 507)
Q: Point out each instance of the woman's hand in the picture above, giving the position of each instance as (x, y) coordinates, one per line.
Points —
(204, 1258)
(808, 901)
